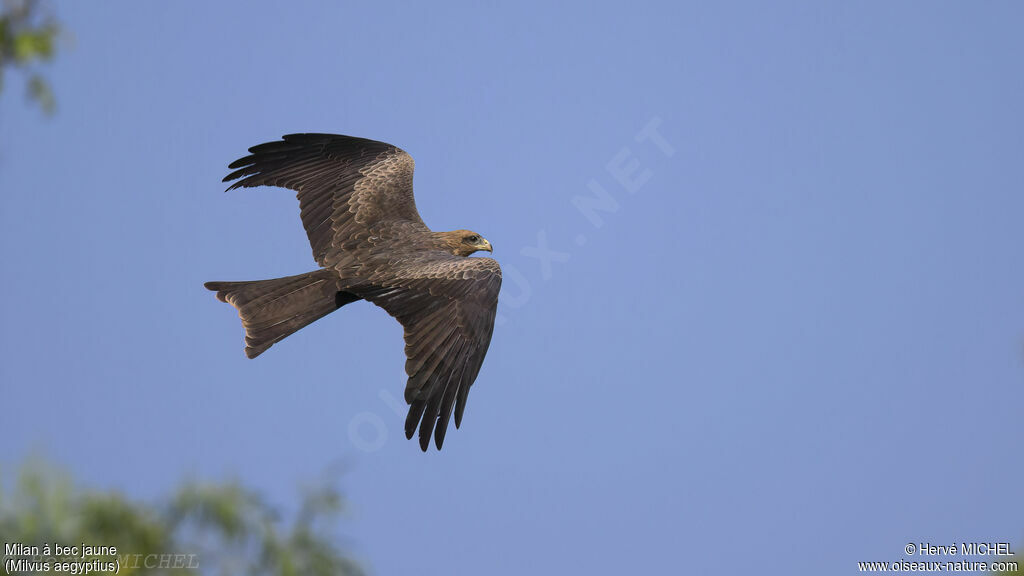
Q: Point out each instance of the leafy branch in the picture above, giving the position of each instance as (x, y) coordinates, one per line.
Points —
(28, 37)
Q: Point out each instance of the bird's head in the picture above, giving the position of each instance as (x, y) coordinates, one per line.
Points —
(463, 242)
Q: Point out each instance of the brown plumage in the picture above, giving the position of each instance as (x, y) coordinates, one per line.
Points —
(356, 203)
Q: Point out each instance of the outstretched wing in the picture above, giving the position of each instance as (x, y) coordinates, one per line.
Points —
(447, 307)
(349, 189)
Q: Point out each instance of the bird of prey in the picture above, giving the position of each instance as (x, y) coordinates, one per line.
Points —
(356, 203)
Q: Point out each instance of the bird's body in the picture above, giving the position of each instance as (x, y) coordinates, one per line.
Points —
(356, 202)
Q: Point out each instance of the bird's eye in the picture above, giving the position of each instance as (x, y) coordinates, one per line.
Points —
(473, 239)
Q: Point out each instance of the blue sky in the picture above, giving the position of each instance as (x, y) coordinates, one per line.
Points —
(796, 343)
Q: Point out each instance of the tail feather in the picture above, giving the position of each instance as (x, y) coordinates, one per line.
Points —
(273, 309)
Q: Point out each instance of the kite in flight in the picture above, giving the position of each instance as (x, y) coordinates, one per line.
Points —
(356, 202)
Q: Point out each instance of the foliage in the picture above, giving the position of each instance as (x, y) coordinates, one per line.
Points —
(28, 36)
(201, 529)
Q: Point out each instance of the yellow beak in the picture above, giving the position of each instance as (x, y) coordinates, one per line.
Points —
(485, 245)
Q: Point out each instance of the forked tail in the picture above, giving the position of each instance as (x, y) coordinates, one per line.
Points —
(273, 309)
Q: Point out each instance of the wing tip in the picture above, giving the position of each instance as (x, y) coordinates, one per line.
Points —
(244, 161)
